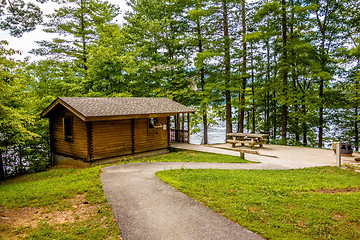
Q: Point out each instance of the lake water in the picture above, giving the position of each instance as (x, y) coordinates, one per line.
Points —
(216, 134)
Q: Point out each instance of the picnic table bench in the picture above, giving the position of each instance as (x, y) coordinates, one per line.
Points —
(251, 139)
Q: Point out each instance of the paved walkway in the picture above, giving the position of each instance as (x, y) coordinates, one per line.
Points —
(147, 208)
(282, 156)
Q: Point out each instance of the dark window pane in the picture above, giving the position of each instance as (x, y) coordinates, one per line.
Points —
(68, 127)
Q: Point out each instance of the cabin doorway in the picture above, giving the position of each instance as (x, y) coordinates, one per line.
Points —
(180, 128)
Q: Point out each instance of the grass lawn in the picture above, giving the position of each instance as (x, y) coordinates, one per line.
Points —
(56, 204)
(66, 203)
(315, 203)
(192, 156)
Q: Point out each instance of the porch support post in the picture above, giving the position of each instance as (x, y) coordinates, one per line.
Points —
(183, 127)
(168, 130)
(188, 124)
(177, 128)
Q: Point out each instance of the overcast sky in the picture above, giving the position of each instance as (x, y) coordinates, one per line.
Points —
(27, 41)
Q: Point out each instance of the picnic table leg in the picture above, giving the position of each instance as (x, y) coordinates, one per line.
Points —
(252, 143)
(233, 145)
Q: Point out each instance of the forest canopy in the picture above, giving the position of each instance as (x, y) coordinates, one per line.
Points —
(289, 68)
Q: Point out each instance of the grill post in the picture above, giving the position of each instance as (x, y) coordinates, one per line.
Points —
(338, 154)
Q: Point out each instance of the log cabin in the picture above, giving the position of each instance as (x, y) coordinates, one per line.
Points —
(87, 130)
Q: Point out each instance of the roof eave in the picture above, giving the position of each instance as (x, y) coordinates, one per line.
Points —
(63, 103)
(120, 117)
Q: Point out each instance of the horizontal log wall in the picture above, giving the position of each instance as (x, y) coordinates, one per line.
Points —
(150, 139)
(106, 138)
(77, 148)
(111, 138)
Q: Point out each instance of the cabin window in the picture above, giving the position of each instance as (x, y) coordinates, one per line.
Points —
(68, 128)
(154, 123)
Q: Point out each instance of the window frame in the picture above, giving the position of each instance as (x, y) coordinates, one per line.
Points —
(153, 123)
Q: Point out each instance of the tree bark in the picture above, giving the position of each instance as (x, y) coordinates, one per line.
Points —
(202, 81)
(323, 59)
(356, 129)
(227, 67)
(267, 94)
(83, 36)
(243, 84)
(253, 90)
(293, 73)
(274, 115)
(284, 107)
(304, 126)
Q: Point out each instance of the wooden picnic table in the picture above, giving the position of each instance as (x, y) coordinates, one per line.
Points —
(251, 139)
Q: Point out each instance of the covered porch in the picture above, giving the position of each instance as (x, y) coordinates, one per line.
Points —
(180, 128)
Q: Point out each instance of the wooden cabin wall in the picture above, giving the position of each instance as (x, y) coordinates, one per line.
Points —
(106, 138)
(77, 148)
(146, 139)
(111, 138)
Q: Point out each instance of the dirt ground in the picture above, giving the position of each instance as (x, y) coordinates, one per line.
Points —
(77, 209)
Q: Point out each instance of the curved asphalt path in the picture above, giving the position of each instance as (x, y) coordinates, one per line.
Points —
(147, 208)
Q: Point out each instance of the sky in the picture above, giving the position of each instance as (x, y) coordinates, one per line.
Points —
(27, 41)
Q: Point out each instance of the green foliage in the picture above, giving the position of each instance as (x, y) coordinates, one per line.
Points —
(315, 203)
(23, 136)
(19, 16)
(78, 22)
(177, 49)
(14, 118)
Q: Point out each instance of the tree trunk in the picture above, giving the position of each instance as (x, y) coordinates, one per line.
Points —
(243, 84)
(304, 126)
(227, 67)
(284, 107)
(83, 36)
(252, 90)
(321, 113)
(293, 73)
(356, 129)
(356, 113)
(267, 94)
(202, 81)
(274, 115)
(322, 27)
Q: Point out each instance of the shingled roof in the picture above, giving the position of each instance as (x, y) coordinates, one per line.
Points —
(94, 108)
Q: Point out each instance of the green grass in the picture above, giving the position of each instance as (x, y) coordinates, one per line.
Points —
(191, 156)
(278, 204)
(51, 191)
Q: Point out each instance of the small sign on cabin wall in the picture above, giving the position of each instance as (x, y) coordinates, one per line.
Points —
(164, 127)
